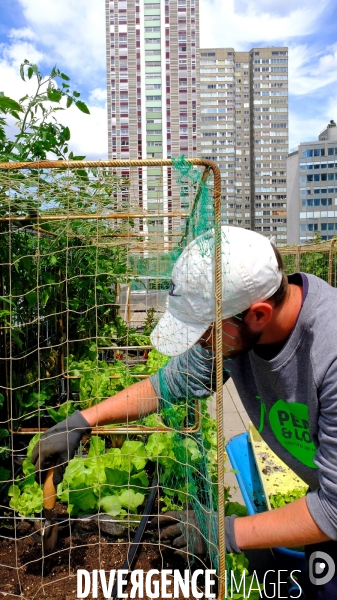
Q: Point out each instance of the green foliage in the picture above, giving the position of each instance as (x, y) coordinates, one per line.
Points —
(155, 361)
(4, 475)
(4, 449)
(235, 508)
(58, 269)
(33, 397)
(39, 132)
(26, 496)
(65, 410)
(150, 321)
(279, 499)
(113, 481)
(238, 564)
(98, 379)
(28, 501)
(127, 336)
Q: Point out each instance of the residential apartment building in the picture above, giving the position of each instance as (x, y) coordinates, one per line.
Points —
(153, 90)
(244, 128)
(312, 189)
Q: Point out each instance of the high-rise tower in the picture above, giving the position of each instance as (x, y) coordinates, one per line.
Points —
(153, 95)
(244, 128)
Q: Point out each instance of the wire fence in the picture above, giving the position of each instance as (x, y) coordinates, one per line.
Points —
(319, 259)
(86, 253)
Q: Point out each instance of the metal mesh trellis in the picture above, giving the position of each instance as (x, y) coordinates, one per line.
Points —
(318, 259)
(75, 239)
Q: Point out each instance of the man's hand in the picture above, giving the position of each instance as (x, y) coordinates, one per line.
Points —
(182, 527)
(57, 446)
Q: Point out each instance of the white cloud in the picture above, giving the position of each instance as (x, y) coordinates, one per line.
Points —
(22, 34)
(310, 70)
(270, 6)
(89, 133)
(73, 32)
(98, 96)
(302, 128)
(223, 26)
(328, 62)
(14, 54)
(11, 82)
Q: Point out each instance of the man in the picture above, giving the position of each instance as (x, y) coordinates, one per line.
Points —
(279, 348)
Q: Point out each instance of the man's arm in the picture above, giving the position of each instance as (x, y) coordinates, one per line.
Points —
(58, 445)
(130, 404)
(288, 526)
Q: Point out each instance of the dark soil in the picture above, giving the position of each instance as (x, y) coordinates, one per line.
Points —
(25, 574)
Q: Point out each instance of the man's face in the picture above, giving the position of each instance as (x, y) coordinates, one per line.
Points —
(237, 337)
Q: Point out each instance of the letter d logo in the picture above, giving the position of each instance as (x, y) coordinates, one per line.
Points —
(321, 568)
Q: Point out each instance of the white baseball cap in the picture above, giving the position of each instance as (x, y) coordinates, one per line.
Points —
(250, 273)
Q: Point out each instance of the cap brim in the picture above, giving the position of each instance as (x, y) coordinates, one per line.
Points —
(173, 337)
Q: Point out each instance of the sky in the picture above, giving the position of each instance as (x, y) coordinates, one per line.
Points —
(71, 34)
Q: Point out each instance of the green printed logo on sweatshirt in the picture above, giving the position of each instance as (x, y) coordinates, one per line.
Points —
(290, 425)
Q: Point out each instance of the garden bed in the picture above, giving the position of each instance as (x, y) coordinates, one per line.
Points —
(23, 574)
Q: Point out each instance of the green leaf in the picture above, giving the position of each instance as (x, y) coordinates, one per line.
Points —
(64, 76)
(193, 451)
(32, 444)
(139, 480)
(83, 500)
(82, 106)
(65, 410)
(4, 475)
(117, 477)
(15, 114)
(7, 103)
(69, 101)
(135, 454)
(2, 400)
(235, 508)
(27, 467)
(77, 94)
(82, 173)
(111, 505)
(131, 500)
(112, 460)
(45, 296)
(27, 502)
(54, 95)
(3, 433)
(31, 298)
(97, 446)
(66, 133)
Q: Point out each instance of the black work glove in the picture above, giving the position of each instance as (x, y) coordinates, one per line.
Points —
(182, 527)
(57, 446)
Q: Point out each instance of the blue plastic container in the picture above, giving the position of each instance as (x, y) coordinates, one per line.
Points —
(242, 459)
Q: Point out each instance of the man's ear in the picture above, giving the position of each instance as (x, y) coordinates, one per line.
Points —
(258, 316)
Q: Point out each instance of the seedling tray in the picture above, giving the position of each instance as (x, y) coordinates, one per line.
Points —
(274, 474)
(241, 456)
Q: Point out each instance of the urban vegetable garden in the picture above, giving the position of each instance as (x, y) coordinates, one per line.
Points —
(84, 275)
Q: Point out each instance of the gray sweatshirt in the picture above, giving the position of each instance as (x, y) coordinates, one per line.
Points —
(291, 399)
